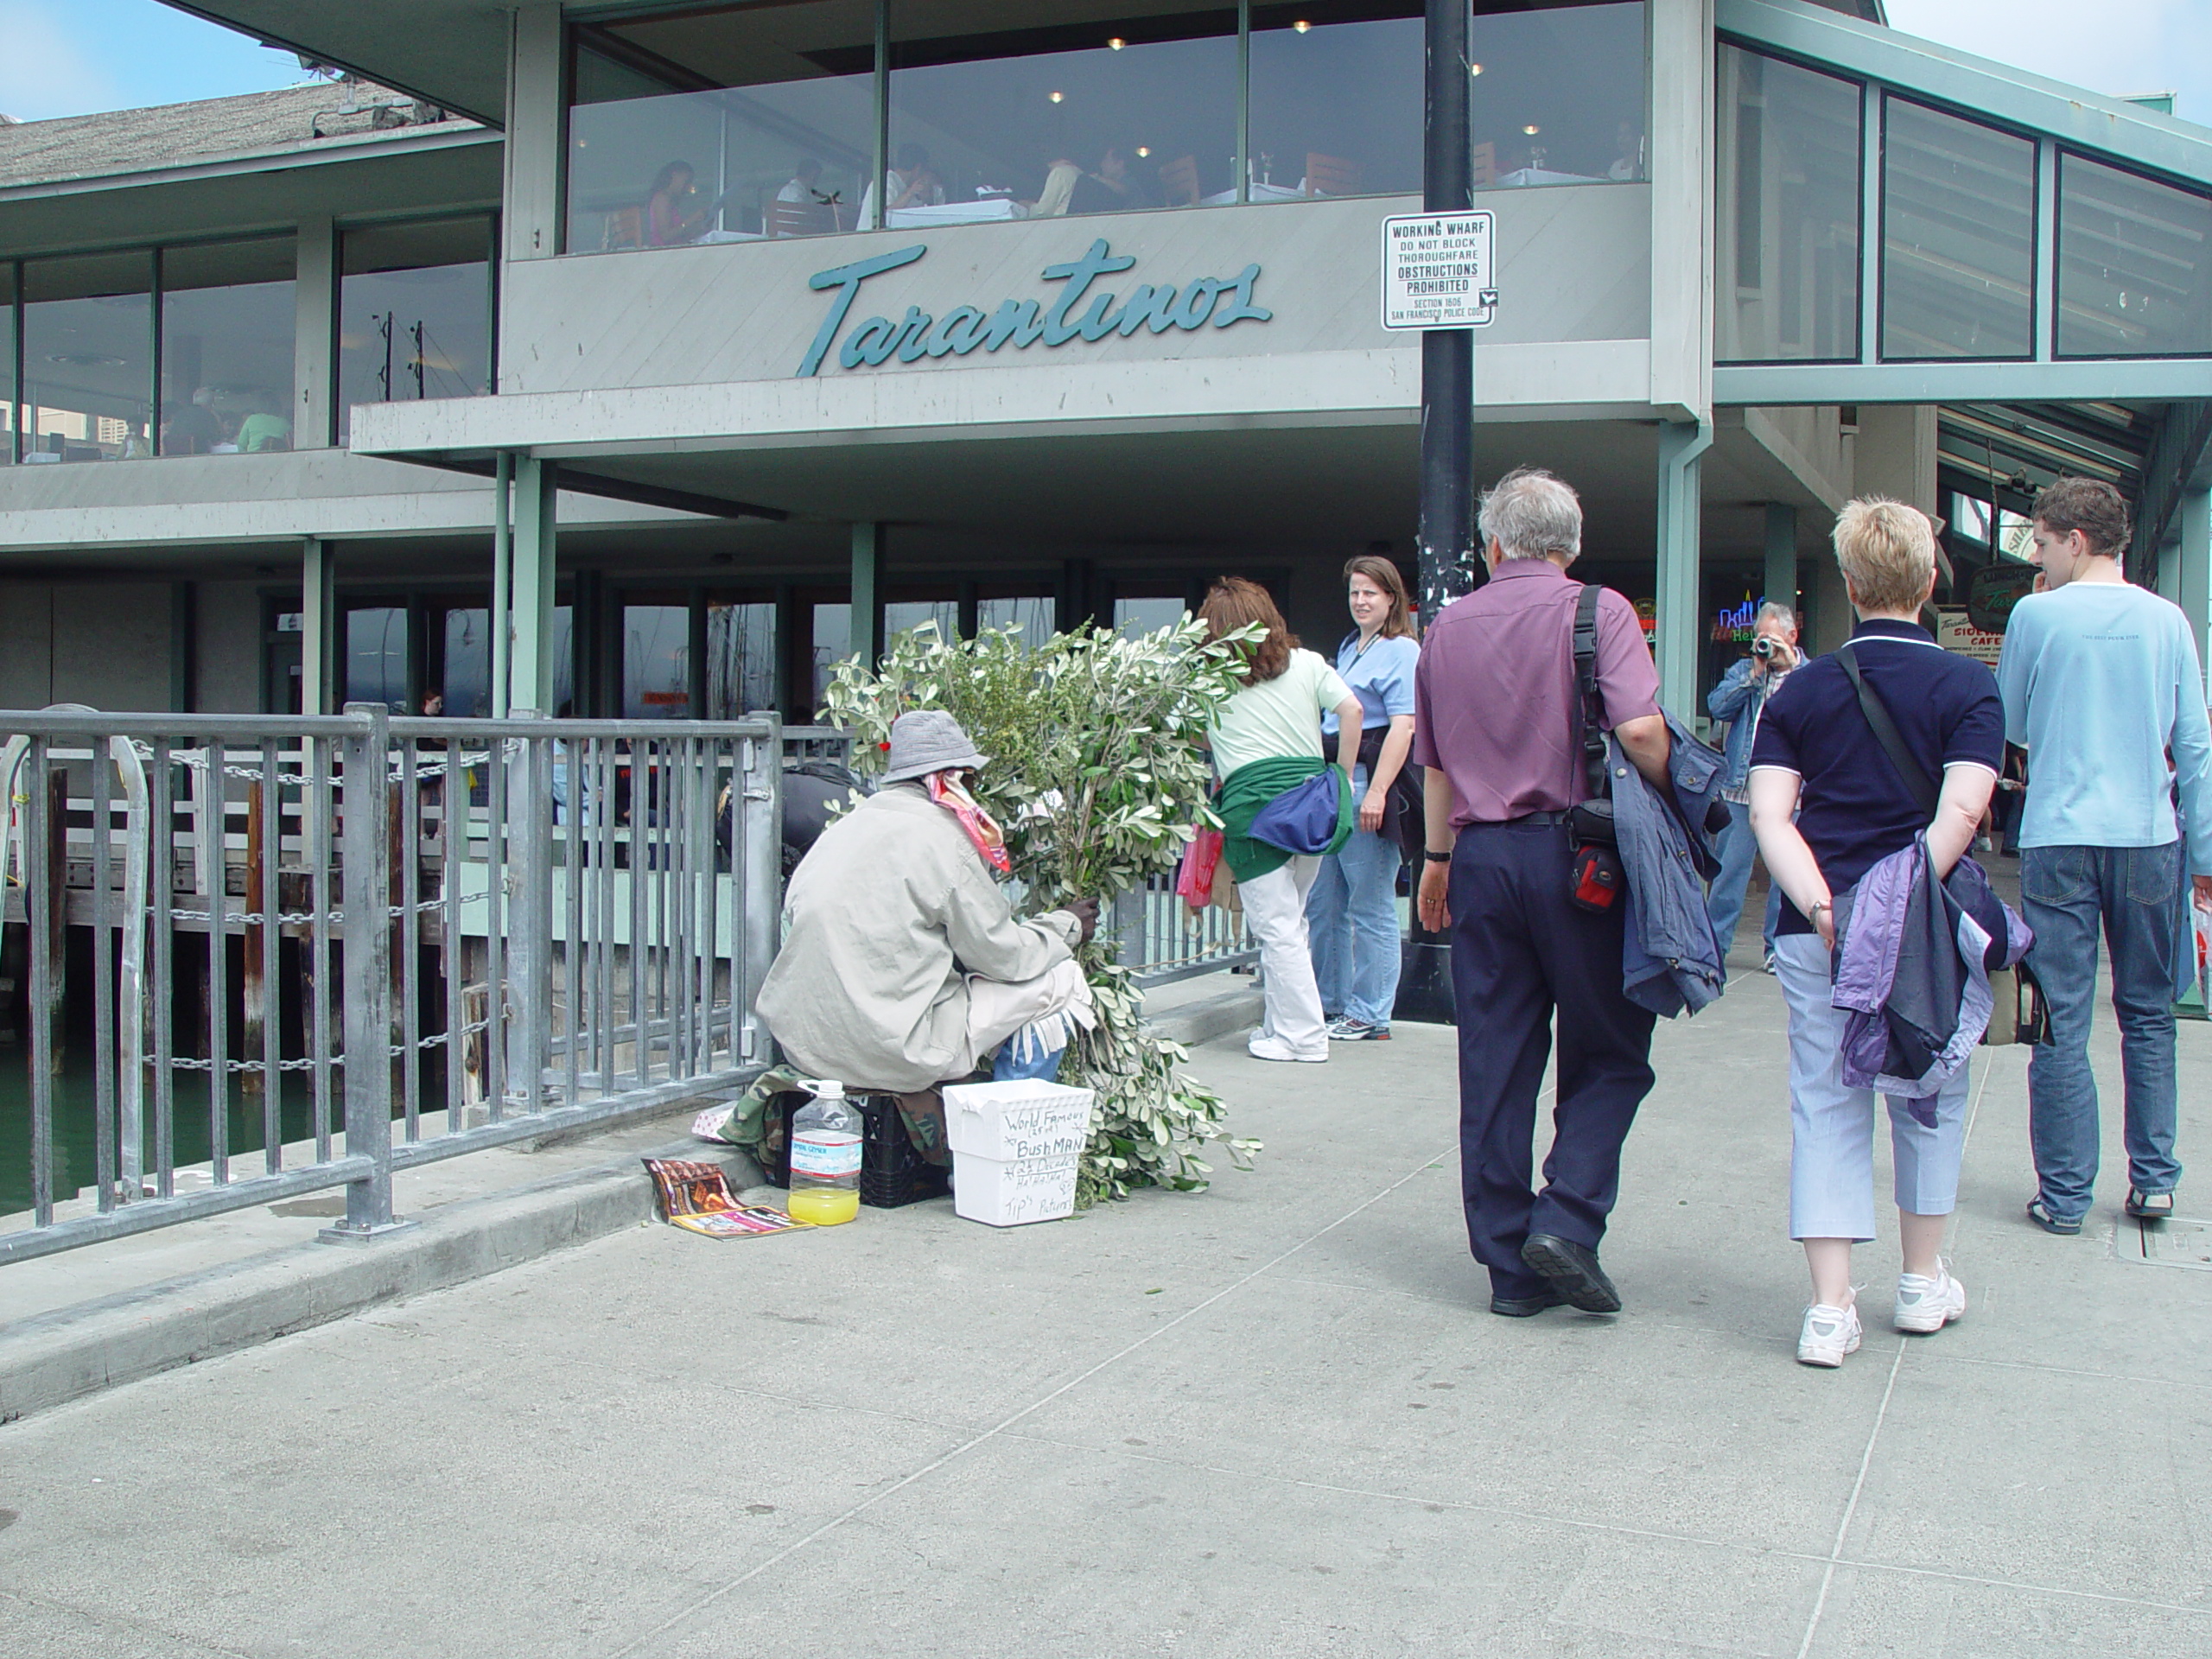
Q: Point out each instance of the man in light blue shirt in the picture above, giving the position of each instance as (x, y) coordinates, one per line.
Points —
(2103, 686)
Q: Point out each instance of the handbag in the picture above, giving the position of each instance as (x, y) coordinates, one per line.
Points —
(1194, 878)
(1304, 818)
(2018, 1014)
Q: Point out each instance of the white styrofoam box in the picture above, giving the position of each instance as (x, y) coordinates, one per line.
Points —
(1012, 1191)
(1026, 1119)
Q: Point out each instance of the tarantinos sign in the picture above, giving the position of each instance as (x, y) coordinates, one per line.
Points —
(876, 341)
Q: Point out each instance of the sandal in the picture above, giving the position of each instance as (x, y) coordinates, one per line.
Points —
(2040, 1213)
(2150, 1206)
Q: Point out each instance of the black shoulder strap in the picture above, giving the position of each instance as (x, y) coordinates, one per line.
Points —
(1915, 775)
(1586, 680)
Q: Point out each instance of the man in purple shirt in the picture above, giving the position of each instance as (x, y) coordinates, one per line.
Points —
(1497, 723)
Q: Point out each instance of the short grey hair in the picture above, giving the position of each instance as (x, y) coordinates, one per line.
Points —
(1774, 611)
(1533, 515)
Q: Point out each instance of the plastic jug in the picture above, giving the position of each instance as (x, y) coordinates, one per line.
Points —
(825, 1157)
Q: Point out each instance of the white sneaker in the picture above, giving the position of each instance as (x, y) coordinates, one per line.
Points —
(1260, 1046)
(1829, 1333)
(1925, 1305)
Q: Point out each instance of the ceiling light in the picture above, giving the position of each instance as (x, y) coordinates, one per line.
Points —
(1055, 97)
(1532, 129)
(1144, 149)
(1301, 26)
(1115, 44)
(1474, 68)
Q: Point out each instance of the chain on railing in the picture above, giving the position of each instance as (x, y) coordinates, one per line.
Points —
(574, 934)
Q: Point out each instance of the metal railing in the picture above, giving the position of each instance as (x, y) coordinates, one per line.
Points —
(527, 925)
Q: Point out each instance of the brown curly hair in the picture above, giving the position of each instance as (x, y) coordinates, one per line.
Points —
(2090, 505)
(1232, 603)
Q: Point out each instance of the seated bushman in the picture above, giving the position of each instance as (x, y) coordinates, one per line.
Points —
(903, 966)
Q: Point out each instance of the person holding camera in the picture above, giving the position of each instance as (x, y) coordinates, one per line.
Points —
(1740, 699)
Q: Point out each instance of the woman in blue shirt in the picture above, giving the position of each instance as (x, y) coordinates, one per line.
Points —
(1352, 912)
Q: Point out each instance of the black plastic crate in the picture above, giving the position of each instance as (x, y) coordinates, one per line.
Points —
(892, 1173)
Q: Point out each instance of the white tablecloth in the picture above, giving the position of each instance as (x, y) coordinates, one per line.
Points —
(1523, 175)
(955, 212)
(730, 236)
(1259, 193)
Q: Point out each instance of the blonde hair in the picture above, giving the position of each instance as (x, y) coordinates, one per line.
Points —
(1886, 551)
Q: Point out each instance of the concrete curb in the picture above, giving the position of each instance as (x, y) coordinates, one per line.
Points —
(51, 1359)
(1196, 1022)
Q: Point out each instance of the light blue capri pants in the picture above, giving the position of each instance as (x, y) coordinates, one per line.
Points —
(1831, 1125)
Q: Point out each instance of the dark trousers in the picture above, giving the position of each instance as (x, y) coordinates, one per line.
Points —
(1522, 951)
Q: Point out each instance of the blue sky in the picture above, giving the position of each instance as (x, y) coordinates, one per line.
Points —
(70, 57)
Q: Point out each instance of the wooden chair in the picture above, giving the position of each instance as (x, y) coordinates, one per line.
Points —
(1331, 176)
(625, 228)
(799, 219)
(1485, 165)
(1178, 182)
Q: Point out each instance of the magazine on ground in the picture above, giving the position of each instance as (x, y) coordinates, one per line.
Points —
(696, 1196)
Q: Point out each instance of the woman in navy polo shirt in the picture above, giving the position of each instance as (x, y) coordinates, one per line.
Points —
(1827, 804)
(1351, 914)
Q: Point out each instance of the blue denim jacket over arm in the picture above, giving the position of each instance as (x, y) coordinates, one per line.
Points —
(1670, 958)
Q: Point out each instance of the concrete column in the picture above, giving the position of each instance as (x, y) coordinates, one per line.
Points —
(315, 335)
(1782, 553)
(1680, 164)
(2194, 586)
(530, 683)
(531, 221)
(1679, 588)
(319, 642)
(867, 635)
(1895, 454)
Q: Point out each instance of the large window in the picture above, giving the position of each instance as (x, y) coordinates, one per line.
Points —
(734, 123)
(1337, 92)
(729, 125)
(1958, 238)
(88, 347)
(228, 325)
(741, 661)
(1556, 95)
(1786, 255)
(1108, 114)
(414, 313)
(2134, 264)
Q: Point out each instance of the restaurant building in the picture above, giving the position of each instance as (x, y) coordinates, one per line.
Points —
(646, 359)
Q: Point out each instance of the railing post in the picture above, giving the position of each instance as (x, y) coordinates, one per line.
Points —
(365, 781)
(529, 831)
(760, 858)
(1126, 926)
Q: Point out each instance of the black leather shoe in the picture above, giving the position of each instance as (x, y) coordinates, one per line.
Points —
(1572, 1270)
(1522, 1307)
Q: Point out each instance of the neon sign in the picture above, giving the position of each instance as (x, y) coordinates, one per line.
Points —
(874, 341)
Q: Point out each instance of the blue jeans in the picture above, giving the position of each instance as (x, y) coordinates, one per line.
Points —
(1723, 900)
(1352, 917)
(2067, 891)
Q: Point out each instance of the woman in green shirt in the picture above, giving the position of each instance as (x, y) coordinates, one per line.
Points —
(1266, 741)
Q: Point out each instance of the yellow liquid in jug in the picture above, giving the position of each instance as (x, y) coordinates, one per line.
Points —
(823, 1206)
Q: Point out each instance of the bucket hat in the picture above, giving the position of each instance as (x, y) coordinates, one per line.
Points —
(927, 740)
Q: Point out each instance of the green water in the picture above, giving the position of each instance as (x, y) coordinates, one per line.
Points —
(74, 1156)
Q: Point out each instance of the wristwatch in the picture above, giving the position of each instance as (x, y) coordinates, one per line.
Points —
(1436, 858)
(1817, 907)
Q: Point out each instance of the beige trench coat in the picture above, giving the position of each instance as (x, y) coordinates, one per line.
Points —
(881, 917)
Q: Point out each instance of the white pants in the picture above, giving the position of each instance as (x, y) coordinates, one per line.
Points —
(998, 1009)
(1274, 909)
(1831, 1125)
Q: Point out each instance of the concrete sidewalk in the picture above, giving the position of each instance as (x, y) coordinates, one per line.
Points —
(1271, 1420)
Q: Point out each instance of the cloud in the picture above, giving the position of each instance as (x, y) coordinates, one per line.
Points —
(44, 73)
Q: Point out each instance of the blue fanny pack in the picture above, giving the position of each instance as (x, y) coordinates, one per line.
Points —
(1304, 817)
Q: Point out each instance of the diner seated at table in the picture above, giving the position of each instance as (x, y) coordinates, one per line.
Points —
(193, 429)
(668, 221)
(804, 185)
(910, 182)
(1114, 186)
(1058, 193)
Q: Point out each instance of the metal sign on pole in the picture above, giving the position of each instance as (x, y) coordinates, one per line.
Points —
(1437, 270)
